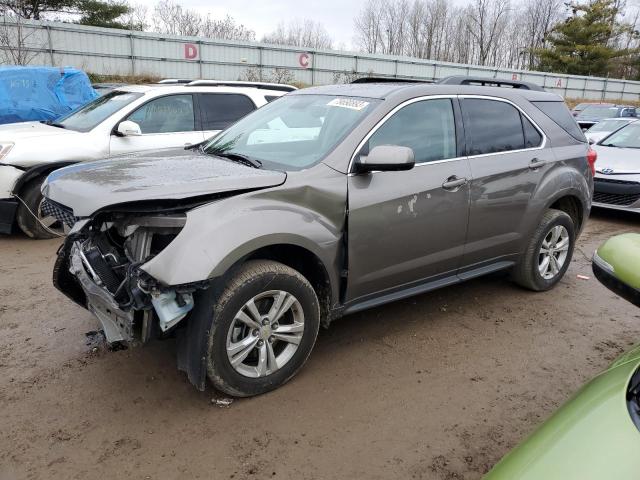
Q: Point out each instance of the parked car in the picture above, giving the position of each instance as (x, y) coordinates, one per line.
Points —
(126, 119)
(596, 434)
(596, 113)
(580, 107)
(617, 180)
(606, 127)
(244, 246)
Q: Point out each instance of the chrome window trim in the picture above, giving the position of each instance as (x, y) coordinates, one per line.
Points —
(384, 119)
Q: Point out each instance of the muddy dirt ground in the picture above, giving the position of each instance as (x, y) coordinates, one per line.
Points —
(435, 387)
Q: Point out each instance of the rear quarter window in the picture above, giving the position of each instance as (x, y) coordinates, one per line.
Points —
(220, 110)
(559, 113)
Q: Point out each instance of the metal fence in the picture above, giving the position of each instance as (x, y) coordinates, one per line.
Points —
(120, 52)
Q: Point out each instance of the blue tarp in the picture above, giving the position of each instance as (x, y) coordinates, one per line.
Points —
(41, 93)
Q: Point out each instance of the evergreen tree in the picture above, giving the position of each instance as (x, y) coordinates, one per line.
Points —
(586, 42)
(100, 13)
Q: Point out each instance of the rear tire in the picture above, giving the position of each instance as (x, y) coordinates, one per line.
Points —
(32, 197)
(264, 326)
(548, 255)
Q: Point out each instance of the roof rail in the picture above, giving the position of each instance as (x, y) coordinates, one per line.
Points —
(489, 82)
(388, 80)
(165, 81)
(224, 83)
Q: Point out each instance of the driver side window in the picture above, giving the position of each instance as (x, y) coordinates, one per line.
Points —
(427, 127)
(173, 113)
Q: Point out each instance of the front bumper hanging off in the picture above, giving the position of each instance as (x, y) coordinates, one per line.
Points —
(117, 323)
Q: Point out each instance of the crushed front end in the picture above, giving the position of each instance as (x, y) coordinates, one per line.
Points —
(99, 264)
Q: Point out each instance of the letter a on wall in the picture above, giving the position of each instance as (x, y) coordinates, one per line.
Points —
(190, 51)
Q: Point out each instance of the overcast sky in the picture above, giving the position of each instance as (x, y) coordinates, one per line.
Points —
(263, 16)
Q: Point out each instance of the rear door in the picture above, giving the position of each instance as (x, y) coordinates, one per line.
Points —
(407, 227)
(507, 162)
(167, 121)
(221, 110)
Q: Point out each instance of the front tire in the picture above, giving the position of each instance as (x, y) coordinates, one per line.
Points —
(264, 326)
(548, 254)
(31, 220)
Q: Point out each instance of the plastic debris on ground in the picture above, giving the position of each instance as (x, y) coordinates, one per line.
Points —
(222, 402)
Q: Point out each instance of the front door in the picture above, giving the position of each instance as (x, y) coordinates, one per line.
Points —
(406, 227)
(165, 122)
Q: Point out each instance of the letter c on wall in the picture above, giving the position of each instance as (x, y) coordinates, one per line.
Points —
(303, 60)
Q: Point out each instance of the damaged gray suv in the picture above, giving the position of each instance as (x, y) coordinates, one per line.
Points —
(325, 202)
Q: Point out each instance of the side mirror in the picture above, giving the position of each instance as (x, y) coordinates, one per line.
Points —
(386, 158)
(128, 128)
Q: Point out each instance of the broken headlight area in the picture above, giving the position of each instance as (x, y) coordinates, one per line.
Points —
(105, 258)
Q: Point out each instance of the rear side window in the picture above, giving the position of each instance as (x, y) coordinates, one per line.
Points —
(492, 126)
(427, 127)
(532, 137)
(559, 113)
(271, 98)
(220, 110)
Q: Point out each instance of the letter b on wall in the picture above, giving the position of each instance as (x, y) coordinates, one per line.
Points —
(190, 51)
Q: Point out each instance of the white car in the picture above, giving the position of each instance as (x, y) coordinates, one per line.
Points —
(606, 127)
(127, 119)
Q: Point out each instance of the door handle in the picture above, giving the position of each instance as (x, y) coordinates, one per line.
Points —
(536, 163)
(453, 183)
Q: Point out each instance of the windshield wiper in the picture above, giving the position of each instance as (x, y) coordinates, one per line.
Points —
(609, 145)
(53, 124)
(237, 157)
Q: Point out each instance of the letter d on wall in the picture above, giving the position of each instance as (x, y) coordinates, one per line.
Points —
(190, 51)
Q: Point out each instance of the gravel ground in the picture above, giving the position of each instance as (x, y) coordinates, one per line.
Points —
(435, 387)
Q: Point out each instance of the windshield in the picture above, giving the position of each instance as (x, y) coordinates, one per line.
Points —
(294, 133)
(600, 112)
(607, 126)
(627, 137)
(93, 113)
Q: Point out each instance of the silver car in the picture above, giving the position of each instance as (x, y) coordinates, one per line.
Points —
(328, 201)
(617, 180)
(603, 129)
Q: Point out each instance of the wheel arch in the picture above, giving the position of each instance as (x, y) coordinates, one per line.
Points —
(304, 261)
(35, 172)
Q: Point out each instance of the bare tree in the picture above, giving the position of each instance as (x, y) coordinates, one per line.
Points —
(300, 33)
(137, 18)
(226, 29)
(16, 42)
(171, 18)
(486, 23)
(368, 27)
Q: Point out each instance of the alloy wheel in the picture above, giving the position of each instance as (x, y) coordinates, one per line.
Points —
(553, 252)
(265, 333)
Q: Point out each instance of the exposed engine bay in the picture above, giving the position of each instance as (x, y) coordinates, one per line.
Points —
(103, 257)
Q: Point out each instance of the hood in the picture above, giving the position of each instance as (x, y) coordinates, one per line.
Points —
(172, 174)
(27, 130)
(620, 160)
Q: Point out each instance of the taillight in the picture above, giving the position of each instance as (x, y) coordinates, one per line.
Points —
(592, 156)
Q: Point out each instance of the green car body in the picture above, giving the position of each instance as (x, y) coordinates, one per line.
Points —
(596, 434)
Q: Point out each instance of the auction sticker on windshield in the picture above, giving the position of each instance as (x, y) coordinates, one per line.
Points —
(351, 103)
